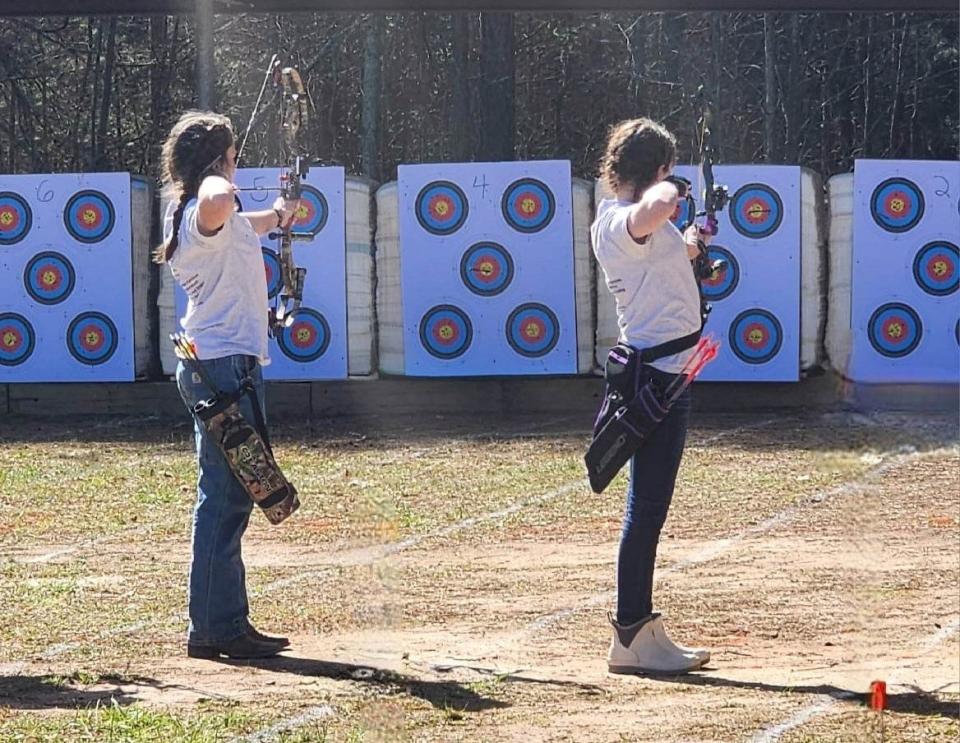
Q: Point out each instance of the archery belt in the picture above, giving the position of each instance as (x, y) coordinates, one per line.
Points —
(247, 451)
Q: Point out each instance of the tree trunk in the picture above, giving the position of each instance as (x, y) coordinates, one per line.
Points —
(461, 126)
(496, 86)
(770, 88)
(100, 140)
(370, 111)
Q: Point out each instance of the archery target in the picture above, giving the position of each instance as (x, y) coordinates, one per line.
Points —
(895, 330)
(312, 213)
(17, 339)
(446, 331)
(897, 204)
(528, 205)
(271, 268)
(49, 277)
(755, 336)
(486, 269)
(307, 338)
(533, 330)
(441, 207)
(935, 268)
(89, 216)
(684, 214)
(722, 284)
(756, 211)
(92, 338)
(16, 218)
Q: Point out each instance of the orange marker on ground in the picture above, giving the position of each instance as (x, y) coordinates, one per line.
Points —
(878, 695)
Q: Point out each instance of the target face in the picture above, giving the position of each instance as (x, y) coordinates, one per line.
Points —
(684, 214)
(446, 331)
(897, 205)
(528, 205)
(17, 339)
(311, 215)
(441, 207)
(92, 338)
(49, 278)
(755, 336)
(307, 338)
(89, 216)
(15, 218)
(486, 269)
(935, 268)
(756, 211)
(533, 330)
(722, 284)
(271, 268)
(894, 330)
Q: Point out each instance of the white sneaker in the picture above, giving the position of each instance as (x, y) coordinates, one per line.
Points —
(636, 649)
(660, 632)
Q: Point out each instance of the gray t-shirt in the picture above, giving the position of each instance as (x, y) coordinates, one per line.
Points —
(652, 282)
(223, 276)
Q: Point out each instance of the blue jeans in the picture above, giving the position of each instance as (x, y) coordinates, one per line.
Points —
(218, 591)
(653, 473)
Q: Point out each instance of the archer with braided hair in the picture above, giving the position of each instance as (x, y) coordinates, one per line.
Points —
(214, 254)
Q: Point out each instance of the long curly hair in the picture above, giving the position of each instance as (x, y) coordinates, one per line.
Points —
(195, 149)
(636, 149)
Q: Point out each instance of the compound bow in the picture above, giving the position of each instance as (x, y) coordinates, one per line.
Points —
(293, 117)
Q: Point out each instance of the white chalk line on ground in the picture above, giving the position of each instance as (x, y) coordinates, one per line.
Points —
(530, 431)
(719, 547)
(827, 702)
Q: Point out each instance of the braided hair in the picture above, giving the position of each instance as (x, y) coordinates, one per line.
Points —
(636, 150)
(195, 149)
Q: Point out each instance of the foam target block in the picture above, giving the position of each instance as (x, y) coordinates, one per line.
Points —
(905, 272)
(487, 277)
(314, 344)
(66, 278)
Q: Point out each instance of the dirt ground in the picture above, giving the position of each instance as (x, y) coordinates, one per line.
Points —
(449, 581)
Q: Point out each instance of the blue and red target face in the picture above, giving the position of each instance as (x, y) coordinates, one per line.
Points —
(311, 215)
(756, 211)
(755, 336)
(935, 268)
(441, 207)
(528, 205)
(897, 205)
(486, 269)
(307, 338)
(533, 330)
(49, 278)
(89, 216)
(684, 214)
(92, 338)
(15, 218)
(272, 272)
(895, 330)
(17, 339)
(446, 331)
(722, 284)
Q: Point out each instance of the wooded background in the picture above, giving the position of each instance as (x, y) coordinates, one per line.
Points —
(100, 93)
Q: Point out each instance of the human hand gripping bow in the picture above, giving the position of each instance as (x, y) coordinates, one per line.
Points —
(293, 117)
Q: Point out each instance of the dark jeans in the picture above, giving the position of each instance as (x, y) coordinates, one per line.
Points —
(653, 472)
(218, 590)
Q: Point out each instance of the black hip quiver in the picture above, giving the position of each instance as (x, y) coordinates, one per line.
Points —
(632, 407)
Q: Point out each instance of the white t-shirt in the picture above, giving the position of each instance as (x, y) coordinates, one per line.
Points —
(224, 279)
(652, 282)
